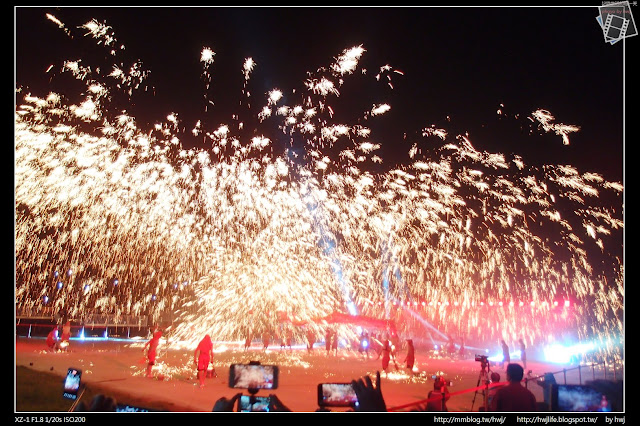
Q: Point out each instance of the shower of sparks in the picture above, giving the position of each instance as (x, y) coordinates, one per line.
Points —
(545, 119)
(101, 32)
(347, 62)
(206, 57)
(233, 239)
(249, 64)
(59, 23)
(380, 109)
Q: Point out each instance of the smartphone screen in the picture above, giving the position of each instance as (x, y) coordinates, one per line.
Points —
(72, 383)
(579, 398)
(337, 395)
(253, 376)
(259, 404)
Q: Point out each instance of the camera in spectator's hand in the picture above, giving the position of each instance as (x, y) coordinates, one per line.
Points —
(253, 377)
(482, 358)
(252, 403)
(337, 395)
(72, 383)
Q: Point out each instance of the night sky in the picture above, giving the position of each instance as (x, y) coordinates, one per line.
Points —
(459, 65)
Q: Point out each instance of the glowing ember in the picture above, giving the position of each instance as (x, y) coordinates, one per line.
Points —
(241, 238)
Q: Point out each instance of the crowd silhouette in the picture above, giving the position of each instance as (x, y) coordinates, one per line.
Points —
(510, 397)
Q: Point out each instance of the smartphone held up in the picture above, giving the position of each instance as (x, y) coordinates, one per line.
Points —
(252, 404)
(337, 395)
(71, 385)
(253, 376)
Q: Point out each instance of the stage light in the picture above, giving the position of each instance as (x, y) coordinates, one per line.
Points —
(496, 358)
(561, 354)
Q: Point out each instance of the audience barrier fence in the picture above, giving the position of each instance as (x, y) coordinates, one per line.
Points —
(123, 326)
(616, 364)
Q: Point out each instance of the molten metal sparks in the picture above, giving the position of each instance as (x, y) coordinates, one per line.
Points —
(249, 64)
(206, 56)
(240, 239)
(545, 118)
(348, 61)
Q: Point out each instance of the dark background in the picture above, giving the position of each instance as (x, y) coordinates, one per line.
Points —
(459, 65)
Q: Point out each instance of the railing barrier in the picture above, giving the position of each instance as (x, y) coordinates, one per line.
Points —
(525, 380)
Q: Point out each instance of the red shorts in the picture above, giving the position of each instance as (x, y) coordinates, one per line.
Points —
(152, 357)
(203, 363)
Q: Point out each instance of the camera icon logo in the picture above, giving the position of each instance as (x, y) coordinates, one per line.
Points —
(616, 21)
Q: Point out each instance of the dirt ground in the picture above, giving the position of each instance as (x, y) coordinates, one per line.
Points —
(120, 365)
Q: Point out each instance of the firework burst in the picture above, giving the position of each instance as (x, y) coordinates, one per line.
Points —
(244, 236)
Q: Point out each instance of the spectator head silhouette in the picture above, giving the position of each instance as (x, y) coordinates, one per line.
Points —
(515, 373)
(438, 384)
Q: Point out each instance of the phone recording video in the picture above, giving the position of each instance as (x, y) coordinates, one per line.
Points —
(248, 404)
(578, 398)
(72, 383)
(253, 376)
(337, 395)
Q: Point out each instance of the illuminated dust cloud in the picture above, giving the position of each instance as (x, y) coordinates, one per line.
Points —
(247, 234)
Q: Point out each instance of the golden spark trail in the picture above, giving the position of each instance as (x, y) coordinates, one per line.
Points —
(241, 237)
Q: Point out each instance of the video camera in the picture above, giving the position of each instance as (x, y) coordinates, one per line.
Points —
(482, 358)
